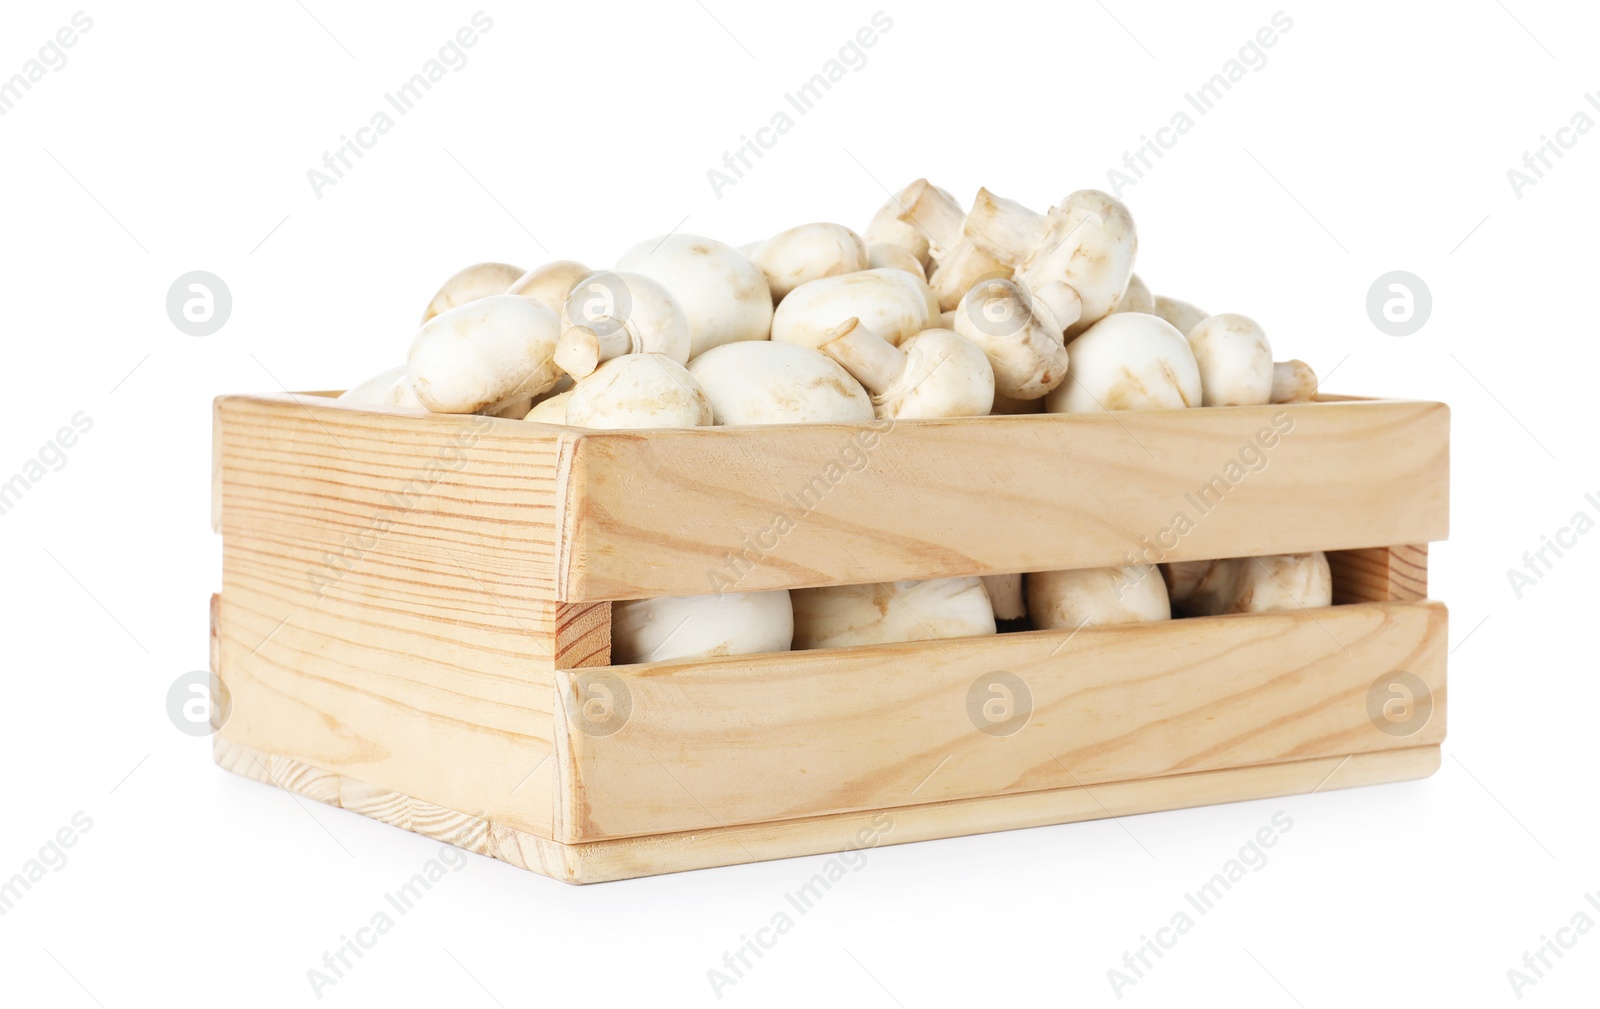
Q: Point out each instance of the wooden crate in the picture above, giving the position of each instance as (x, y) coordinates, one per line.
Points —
(415, 615)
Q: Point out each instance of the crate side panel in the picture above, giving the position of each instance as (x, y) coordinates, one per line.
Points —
(692, 511)
(387, 609)
(757, 738)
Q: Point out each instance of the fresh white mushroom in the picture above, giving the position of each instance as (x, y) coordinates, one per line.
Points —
(1235, 360)
(1019, 334)
(375, 390)
(937, 373)
(959, 270)
(760, 382)
(1250, 584)
(840, 616)
(931, 212)
(889, 256)
(609, 314)
(477, 281)
(1293, 382)
(1005, 229)
(809, 252)
(1005, 596)
(1089, 244)
(892, 303)
(1129, 361)
(694, 627)
(1181, 314)
(1096, 597)
(723, 293)
(888, 224)
(1137, 298)
(550, 409)
(638, 391)
(550, 284)
(484, 355)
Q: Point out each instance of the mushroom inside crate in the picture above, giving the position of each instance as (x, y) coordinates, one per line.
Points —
(934, 309)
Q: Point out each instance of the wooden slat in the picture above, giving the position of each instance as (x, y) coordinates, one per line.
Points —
(583, 635)
(689, 511)
(1380, 574)
(388, 607)
(599, 861)
(748, 739)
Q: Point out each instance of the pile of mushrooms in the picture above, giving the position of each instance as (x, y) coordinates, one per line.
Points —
(930, 311)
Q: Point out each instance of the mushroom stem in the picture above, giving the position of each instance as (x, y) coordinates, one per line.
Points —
(935, 213)
(1003, 228)
(1005, 596)
(1293, 382)
(870, 359)
(581, 350)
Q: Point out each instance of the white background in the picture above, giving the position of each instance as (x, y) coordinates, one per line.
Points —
(1377, 137)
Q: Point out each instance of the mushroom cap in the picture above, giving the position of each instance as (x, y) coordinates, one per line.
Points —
(375, 390)
(1181, 314)
(1251, 584)
(609, 301)
(889, 256)
(476, 281)
(839, 616)
(550, 409)
(892, 303)
(1235, 360)
(693, 627)
(638, 391)
(1137, 298)
(550, 284)
(723, 294)
(946, 375)
(809, 252)
(484, 354)
(1018, 333)
(1130, 361)
(1090, 243)
(1096, 597)
(778, 383)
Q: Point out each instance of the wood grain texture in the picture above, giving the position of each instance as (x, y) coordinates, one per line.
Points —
(583, 635)
(1380, 574)
(600, 861)
(691, 511)
(749, 739)
(388, 605)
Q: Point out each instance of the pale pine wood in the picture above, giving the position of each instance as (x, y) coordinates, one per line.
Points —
(1380, 574)
(990, 495)
(748, 739)
(426, 665)
(420, 686)
(601, 861)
